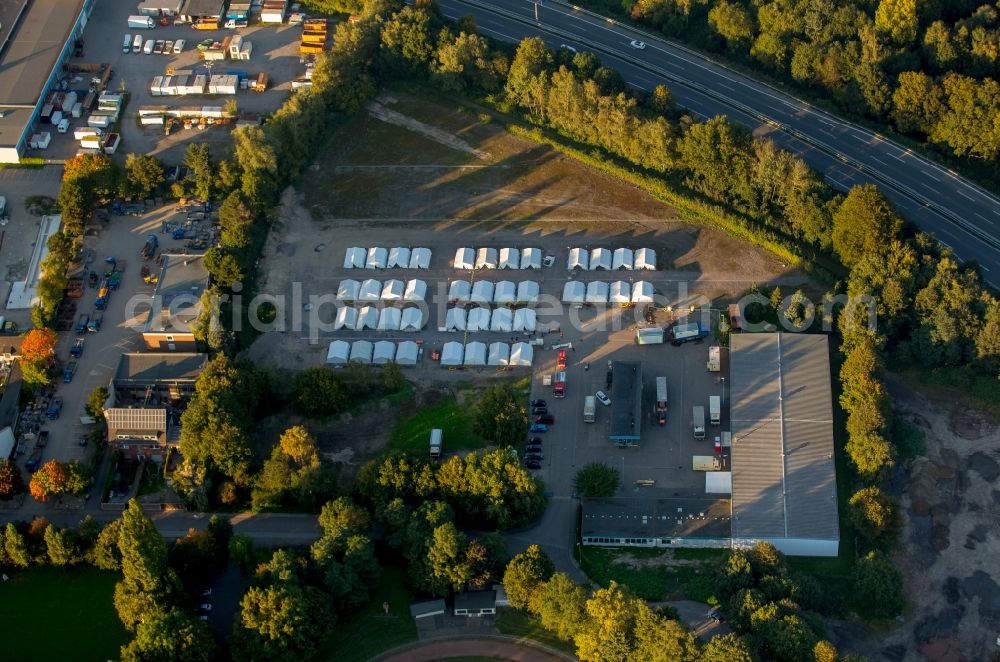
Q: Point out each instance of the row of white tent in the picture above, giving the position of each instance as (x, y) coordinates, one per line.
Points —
(484, 291)
(492, 258)
(598, 291)
(370, 317)
(603, 258)
(365, 351)
(483, 319)
(377, 257)
(477, 353)
(373, 290)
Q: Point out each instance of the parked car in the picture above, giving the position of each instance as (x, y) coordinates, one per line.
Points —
(158, 47)
(535, 411)
(539, 403)
(82, 441)
(535, 440)
(534, 455)
(534, 448)
(207, 592)
(532, 464)
(205, 606)
(538, 427)
(605, 400)
(548, 419)
(179, 45)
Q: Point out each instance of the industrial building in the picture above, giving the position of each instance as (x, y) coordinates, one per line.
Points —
(37, 37)
(646, 522)
(176, 304)
(626, 403)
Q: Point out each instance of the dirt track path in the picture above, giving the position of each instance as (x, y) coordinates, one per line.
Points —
(427, 651)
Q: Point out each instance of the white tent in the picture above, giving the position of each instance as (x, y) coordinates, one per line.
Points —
(505, 292)
(416, 290)
(642, 292)
(600, 258)
(383, 352)
(371, 290)
(407, 352)
(527, 291)
(389, 319)
(531, 258)
(451, 353)
(524, 320)
(521, 354)
(622, 259)
(510, 258)
(420, 258)
(377, 257)
(574, 292)
(367, 318)
(465, 258)
(348, 290)
(399, 257)
(499, 354)
(459, 290)
(477, 319)
(621, 292)
(361, 351)
(413, 320)
(455, 319)
(393, 290)
(347, 318)
(355, 258)
(475, 353)
(338, 353)
(486, 258)
(645, 258)
(502, 320)
(578, 259)
(482, 292)
(597, 292)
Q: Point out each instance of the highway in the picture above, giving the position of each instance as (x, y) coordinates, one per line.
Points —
(960, 214)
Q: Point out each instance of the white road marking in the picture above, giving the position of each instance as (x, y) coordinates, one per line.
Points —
(964, 194)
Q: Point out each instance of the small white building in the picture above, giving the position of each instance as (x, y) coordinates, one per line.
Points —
(645, 258)
(393, 290)
(505, 293)
(348, 290)
(521, 355)
(531, 258)
(597, 292)
(459, 291)
(510, 258)
(420, 258)
(407, 353)
(452, 353)
(477, 319)
(524, 320)
(355, 258)
(338, 353)
(482, 292)
(642, 292)
(465, 258)
(412, 320)
(367, 318)
(416, 290)
(574, 292)
(486, 258)
(361, 351)
(622, 259)
(371, 290)
(347, 318)
(383, 352)
(377, 258)
(620, 292)
(578, 259)
(502, 320)
(475, 353)
(455, 319)
(389, 319)
(399, 258)
(527, 292)
(600, 258)
(499, 354)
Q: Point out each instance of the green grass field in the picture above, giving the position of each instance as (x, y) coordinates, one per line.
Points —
(454, 420)
(52, 614)
(651, 581)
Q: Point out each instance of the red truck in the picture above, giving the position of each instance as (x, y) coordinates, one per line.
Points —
(561, 360)
(559, 385)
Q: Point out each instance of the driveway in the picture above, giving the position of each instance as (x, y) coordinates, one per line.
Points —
(555, 534)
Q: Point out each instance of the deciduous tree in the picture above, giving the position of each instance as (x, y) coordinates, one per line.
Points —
(865, 223)
(877, 587)
(525, 574)
(11, 481)
(144, 174)
(15, 547)
(501, 416)
(597, 479)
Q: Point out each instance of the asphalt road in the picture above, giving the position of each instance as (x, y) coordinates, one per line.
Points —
(958, 213)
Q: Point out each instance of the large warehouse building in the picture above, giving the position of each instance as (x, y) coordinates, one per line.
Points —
(40, 37)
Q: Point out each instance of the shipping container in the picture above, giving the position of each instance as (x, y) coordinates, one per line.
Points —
(141, 23)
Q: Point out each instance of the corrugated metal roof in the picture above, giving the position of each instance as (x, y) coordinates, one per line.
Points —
(626, 401)
(784, 477)
(690, 517)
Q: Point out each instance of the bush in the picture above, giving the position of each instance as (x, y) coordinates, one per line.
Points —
(597, 480)
(319, 393)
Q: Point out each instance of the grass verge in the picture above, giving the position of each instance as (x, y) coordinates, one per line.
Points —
(454, 420)
(53, 614)
(517, 623)
(649, 573)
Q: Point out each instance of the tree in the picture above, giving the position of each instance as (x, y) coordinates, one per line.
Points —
(727, 647)
(342, 518)
(50, 480)
(281, 623)
(871, 455)
(11, 481)
(525, 574)
(393, 379)
(105, 553)
(236, 220)
(734, 23)
(561, 606)
(445, 556)
(39, 346)
(916, 103)
(490, 488)
(824, 651)
(597, 479)
(143, 551)
(609, 632)
(864, 223)
(501, 416)
(15, 547)
(874, 514)
(173, 635)
(95, 402)
(60, 544)
(319, 393)
(898, 20)
(527, 78)
(464, 61)
(407, 43)
(717, 152)
(877, 587)
(659, 639)
(224, 267)
(198, 159)
(259, 162)
(144, 174)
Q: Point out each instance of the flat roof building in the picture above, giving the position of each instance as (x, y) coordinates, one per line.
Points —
(626, 402)
(176, 304)
(656, 522)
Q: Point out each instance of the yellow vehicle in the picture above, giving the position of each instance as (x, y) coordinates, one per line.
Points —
(313, 37)
(307, 49)
(206, 24)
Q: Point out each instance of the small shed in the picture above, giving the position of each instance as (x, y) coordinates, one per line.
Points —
(521, 355)
(383, 352)
(338, 353)
(399, 258)
(502, 320)
(465, 258)
(459, 291)
(416, 290)
(355, 258)
(475, 603)
(531, 258)
(377, 258)
(347, 318)
(597, 292)
(499, 354)
(505, 292)
(419, 610)
(348, 290)
(407, 353)
(361, 351)
(642, 292)
(371, 290)
(510, 258)
(475, 353)
(622, 259)
(645, 258)
(420, 258)
(574, 292)
(486, 258)
(477, 319)
(600, 258)
(367, 318)
(482, 292)
(527, 291)
(393, 290)
(451, 353)
(389, 319)
(412, 320)
(578, 259)
(524, 320)
(455, 319)
(620, 292)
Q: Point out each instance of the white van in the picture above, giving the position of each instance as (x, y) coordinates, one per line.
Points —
(127, 44)
(137, 44)
(179, 45)
(148, 48)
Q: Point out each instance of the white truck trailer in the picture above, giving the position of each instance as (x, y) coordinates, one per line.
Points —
(714, 409)
(589, 409)
(661, 400)
(435, 443)
(698, 421)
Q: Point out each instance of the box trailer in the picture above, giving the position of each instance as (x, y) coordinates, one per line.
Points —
(141, 22)
(714, 358)
(683, 333)
(435, 443)
(714, 409)
(706, 463)
(589, 409)
(698, 421)
(661, 400)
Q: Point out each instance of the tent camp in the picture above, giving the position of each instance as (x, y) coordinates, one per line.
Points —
(452, 353)
(578, 259)
(645, 258)
(420, 258)
(510, 258)
(482, 292)
(367, 318)
(531, 258)
(399, 258)
(347, 318)
(348, 290)
(407, 352)
(597, 292)
(383, 352)
(499, 354)
(524, 320)
(459, 291)
(502, 320)
(477, 319)
(574, 292)
(621, 292)
(338, 352)
(389, 319)
(455, 319)
(642, 292)
(527, 291)
(371, 290)
(416, 290)
(600, 258)
(622, 259)
(486, 258)
(505, 292)
(361, 351)
(412, 320)
(521, 354)
(377, 257)
(393, 290)
(475, 353)
(355, 258)
(465, 258)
